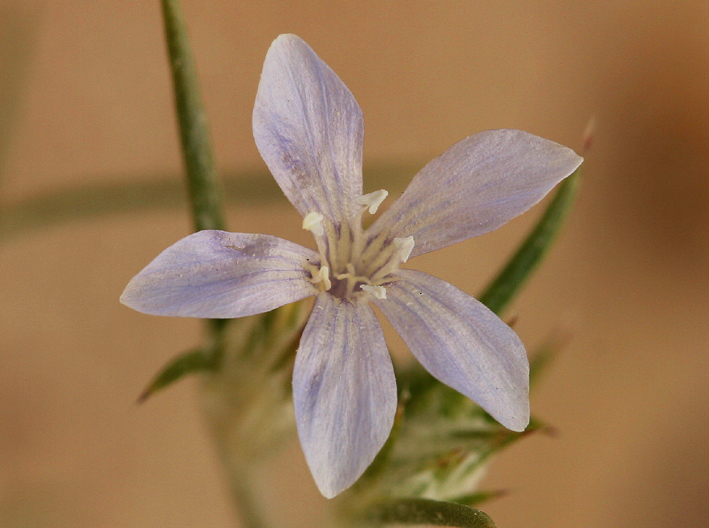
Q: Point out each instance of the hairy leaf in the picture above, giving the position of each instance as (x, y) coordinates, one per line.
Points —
(423, 511)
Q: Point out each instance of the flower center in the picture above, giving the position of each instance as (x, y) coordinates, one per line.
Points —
(351, 263)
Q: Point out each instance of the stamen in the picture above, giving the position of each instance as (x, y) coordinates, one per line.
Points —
(379, 292)
(313, 222)
(323, 276)
(373, 200)
(405, 246)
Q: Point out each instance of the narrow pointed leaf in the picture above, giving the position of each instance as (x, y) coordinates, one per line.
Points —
(187, 363)
(425, 511)
(530, 253)
(441, 445)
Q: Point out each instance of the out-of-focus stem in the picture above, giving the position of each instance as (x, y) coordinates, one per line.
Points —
(243, 498)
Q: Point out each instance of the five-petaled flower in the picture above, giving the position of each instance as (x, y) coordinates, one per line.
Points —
(309, 130)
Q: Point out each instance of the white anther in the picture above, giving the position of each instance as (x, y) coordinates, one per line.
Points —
(405, 246)
(313, 222)
(323, 276)
(378, 292)
(373, 200)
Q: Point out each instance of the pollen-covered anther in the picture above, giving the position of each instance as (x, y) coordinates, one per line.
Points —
(405, 246)
(313, 222)
(379, 292)
(373, 200)
(323, 275)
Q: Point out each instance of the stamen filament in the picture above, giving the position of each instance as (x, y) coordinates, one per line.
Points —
(323, 276)
(359, 265)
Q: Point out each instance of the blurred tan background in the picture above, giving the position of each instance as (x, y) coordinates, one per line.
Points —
(630, 394)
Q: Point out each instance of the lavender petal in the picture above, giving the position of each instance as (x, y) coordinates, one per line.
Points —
(475, 187)
(215, 274)
(344, 392)
(309, 130)
(461, 343)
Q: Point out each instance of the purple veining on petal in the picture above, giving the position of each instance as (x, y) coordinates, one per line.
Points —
(309, 130)
(215, 274)
(461, 343)
(475, 187)
(344, 392)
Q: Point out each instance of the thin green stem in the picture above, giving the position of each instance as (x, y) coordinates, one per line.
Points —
(206, 198)
(204, 190)
(205, 193)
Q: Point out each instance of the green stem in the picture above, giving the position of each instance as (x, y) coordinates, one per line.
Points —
(204, 190)
(206, 199)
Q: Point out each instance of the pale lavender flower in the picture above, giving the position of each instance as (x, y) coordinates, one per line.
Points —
(309, 130)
